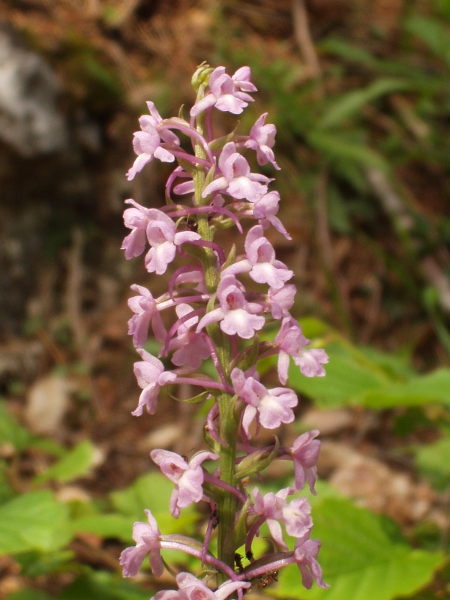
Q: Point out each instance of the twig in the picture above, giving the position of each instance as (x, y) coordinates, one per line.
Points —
(304, 39)
(438, 279)
(326, 248)
(373, 311)
(390, 200)
(94, 556)
(73, 292)
(51, 347)
(412, 122)
(85, 347)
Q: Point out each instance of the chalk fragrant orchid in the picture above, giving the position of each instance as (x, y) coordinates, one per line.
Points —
(215, 309)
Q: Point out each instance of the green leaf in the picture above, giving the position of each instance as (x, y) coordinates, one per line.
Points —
(435, 34)
(348, 377)
(104, 586)
(241, 526)
(312, 327)
(338, 212)
(11, 432)
(365, 377)
(352, 53)
(424, 80)
(33, 521)
(106, 526)
(337, 147)
(28, 594)
(425, 389)
(257, 461)
(6, 491)
(76, 463)
(350, 103)
(48, 446)
(35, 563)
(363, 557)
(153, 491)
(194, 400)
(433, 462)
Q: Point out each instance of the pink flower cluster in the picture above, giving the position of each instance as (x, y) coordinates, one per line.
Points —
(220, 301)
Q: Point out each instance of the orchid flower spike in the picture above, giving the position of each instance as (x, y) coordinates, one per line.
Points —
(213, 323)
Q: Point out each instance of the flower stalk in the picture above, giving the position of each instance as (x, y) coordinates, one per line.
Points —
(215, 318)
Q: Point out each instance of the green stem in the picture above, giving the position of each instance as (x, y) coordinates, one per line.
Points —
(203, 228)
(227, 505)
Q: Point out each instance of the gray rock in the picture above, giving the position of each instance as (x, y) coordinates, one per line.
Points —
(29, 117)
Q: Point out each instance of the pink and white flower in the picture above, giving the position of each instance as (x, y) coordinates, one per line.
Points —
(227, 94)
(295, 515)
(292, 342)
(236, 315)
(270, 407)
(265, 209)
(164, 239)
(236, 179)
(262, 139)
(136, 219)
(261, 262)
(146, 312)
(191, 588)
(151, 377)
(306, 553)
(190, 347)
(187, 476)
(282, 300)
(305, 453)
(147, 142)
(148, 541)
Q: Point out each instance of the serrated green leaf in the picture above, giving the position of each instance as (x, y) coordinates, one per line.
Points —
(76, 463)
(350, 103)
(33, 521)
(363, 557)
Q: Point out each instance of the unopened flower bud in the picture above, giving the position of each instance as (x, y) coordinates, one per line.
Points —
(201, 76)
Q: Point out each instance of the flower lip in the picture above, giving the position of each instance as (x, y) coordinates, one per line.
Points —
(187, 476)
(148, 541)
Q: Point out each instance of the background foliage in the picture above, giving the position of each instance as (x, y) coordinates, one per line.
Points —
(360, 94)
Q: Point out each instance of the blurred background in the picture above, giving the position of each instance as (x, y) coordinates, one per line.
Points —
(360, 93)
